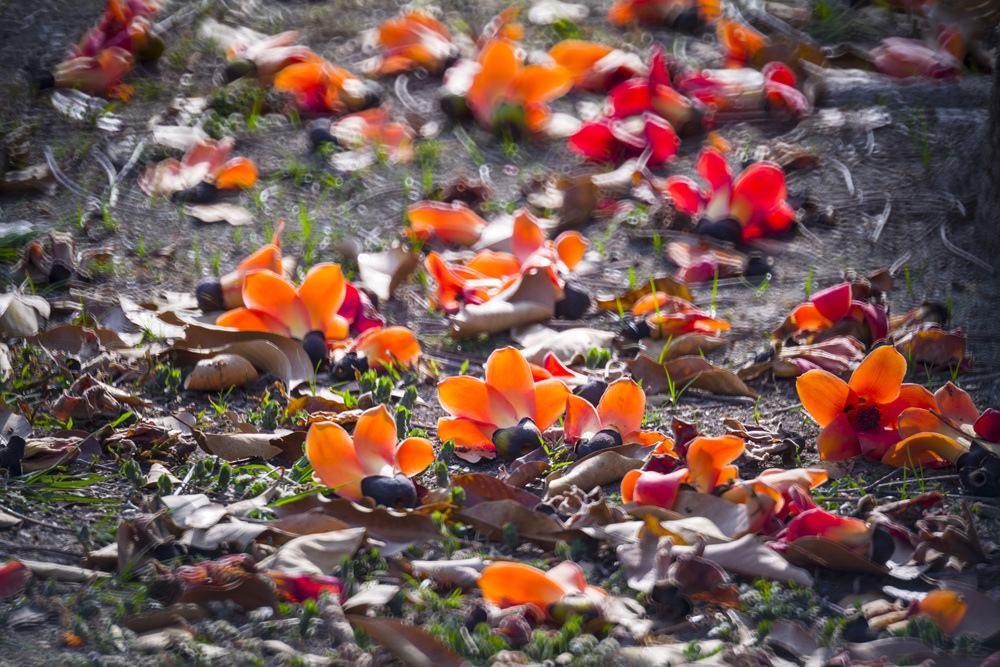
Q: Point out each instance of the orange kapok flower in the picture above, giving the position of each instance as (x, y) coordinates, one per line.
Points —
(343, 463)
(414, 39)
(739, 40)
(620, 409)
(860, 416)
(672, 316)
(267, 57)
(373, 127)
(388, 346)
(596, 68)
(507, 584)
(452, 223)
(507, 395)
(946, 608)
(272, 303)
(455, 284)
(507, 97)
(230, 286)
(927, 441)
(321, 87)
(203, 166)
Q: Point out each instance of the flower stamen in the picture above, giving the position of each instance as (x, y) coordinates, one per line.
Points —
(864, 418)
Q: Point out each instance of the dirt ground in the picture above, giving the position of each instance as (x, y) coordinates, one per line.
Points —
(913, 152)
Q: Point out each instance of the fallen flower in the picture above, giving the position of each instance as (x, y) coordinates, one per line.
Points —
(413, 40)
(708, 466)
(274, 304)
(612, 141)
(616, 420)
(509, 98)
(387, 347)
(665, 315)
(371, 463)
(750, 207)
(125, 25)
(321, 87)
(374, 128)
(854, 534)
(503, 400)
(562, 588)
(200, 174)
(594, 67)
(452, 223)
(100, 74)
(860, 416)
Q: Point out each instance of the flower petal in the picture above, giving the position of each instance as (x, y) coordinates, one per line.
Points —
(662, 139)
(806, 317)
(685, 194)
(492, 264)
(838, 441)
(451, 223)
(629, 99)
(273, 295)
(528, 237)
(849, 532)
(875, 443)
(375, 440)
(245, 319)
(913, 421)
(945, 608)
(507, 584)
(239, 172)
(582, 420)
(924, 450)
(714, 168)
(956, 404)
(323, 291)
(392, 345)
(988, 425)
(509, 373)
(570, 247)
(708, 459)
(569, 576)
(540, 84)
(473, 440)
(502, 413)
(413, 456)
(823, 395)
(833, 303)
(910, 396)
(464, 396)
(880, 375)
(628, 485)
(596, 142)
(757, 191)
(622, 406)
(499, 64)
(655, 488)
(578, 56)
(331, 452)
(550, 402)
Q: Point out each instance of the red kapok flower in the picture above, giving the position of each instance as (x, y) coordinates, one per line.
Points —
(100, 74)
(902, 58)
(341, 462)
(751, 206)
(859, 417)
(507, 395)
(612, 141)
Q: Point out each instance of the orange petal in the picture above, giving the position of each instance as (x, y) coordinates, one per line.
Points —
(663, 444)
(331, 453)
(452, 223)
(271, 294)
(375, 441)
(838, 441)
(708, 458)
(469, 436)
(323, 292)
(823, 395)
(550, 402)
(628, 485)
(509, 373)
(499, 64)
(582, 420)
(338, 329)
(650, 303)
(245, 319)
(956, 404)
(918, 420)
(910, 396)
(508, 584)
(540, 84)
(570, 247)
(267, 258)
(578, 56)
(502, 413)
(239, 172)
(464, 396)
(528, 237)
(494, 264)
(622, 406)
(931, 450)
(945, 608)
(392, 345)
(879, 376)
(413, 456)
(807, 317)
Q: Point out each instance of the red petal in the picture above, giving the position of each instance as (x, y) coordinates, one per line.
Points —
(833, 303)
(779, 72)
(956, 404)
(661, 137)
(714, 168)
(988, 425)
(851, 533)
(685, 193)
(596, 142)
(630, 99)
(657, 489)
(838, 441)
(757, 192)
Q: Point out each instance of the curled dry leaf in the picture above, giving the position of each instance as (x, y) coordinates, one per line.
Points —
(22, 314)
(234, 214)
(463, 573)
(88, 399)
(685, 345)
(221, 372)
(598, 469)
(489, 519)
(384, 271)
(481, 488)
(531, 298)
(686, 372)
(239, 446)
(315, 554)
(413, 646)
(570, 346)
(932, 346)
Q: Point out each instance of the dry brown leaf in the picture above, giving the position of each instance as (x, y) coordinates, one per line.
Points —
(689, 372)
(597, 469)
(489, 519)
(932, 346)
(570, 346)
(192, 511)
(22, 314)
(309, 523)
(88, 399)
(462, 573)
(221, 372)
(413, 646)
(234, 214)
(481, 488)
(522, 474)
(665, 284)
(266, 446)
(749, 557)
(830, 555)
(316, 554)
(384, 271)
(532, 298)
(684, 345)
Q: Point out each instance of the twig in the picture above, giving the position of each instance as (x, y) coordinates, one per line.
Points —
(967, 256)
(15, 548)
(876, 484)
